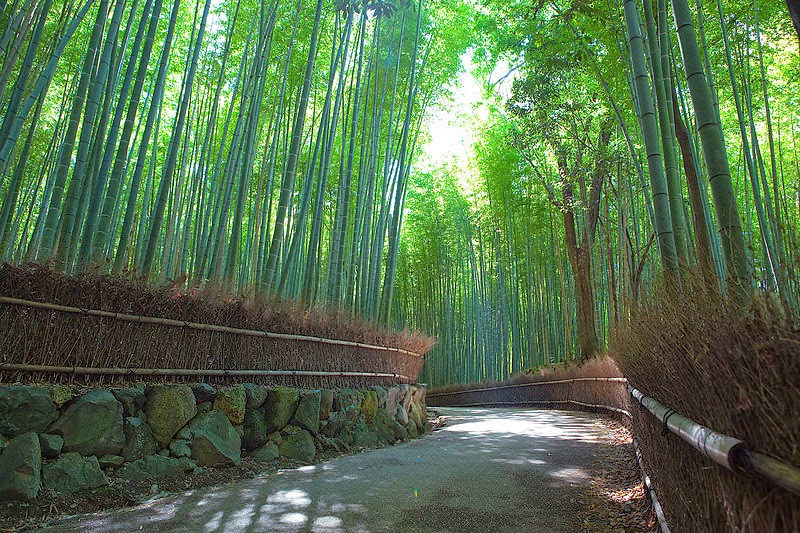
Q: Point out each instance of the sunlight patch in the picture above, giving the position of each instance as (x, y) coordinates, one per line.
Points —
(327, 522)
(295, 519)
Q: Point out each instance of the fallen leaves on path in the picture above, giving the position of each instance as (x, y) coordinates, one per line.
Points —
(616, 501)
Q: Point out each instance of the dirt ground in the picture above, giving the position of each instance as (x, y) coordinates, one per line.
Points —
(617, 501)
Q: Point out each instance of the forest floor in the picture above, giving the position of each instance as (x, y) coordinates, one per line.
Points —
(617, 502)
(485, 470)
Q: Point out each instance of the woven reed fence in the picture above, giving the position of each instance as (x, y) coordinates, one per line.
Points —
(596, 393)
(65, 343)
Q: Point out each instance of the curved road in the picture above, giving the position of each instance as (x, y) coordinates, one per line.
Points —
(486, 470)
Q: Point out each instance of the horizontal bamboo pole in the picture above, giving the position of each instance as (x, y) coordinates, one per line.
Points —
(197, 326)
(725, 450)
(188, 372)
(718, 447)
(779, 473)
(531, 384)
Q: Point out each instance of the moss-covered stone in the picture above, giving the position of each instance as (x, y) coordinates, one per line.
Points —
(401, 415)
(280, 407)
(72, 472)
(92, 425)
(50, 444)
(369, 405)
(256, 395)
(267, 453)
(307, 413)
(111, 461)
(215, 442)
(20, 468)
(298, 446)
(60, 394)
(155, 467)
(168, 409)
(347, 401)
(24, 409)
(407, 396)
(255, 429)
(275, 437)
(400, 432)
(419, 414)
(180, 448)
(412, 430)
(233, 402)
(203, 392)
(363, 435)
(325, 403)
(394, 397)
(132, 399)
(139, 440)
(381, 393)
(337, 423)
(384, 426)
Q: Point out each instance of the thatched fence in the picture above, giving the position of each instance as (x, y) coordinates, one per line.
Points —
(98, 330)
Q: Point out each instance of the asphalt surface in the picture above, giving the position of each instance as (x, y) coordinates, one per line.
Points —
(486, 470)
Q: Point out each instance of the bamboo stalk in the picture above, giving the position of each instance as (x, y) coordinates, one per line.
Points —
(197, 326)
(88, 371)
(533, 384)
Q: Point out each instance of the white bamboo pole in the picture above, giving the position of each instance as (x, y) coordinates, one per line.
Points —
(720, 448)
(725, 450)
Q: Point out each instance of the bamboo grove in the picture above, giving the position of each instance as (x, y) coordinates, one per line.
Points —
(261, 146)
(625, 156)
(272, 148)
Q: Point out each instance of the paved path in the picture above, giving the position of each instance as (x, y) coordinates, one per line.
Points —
(487, 470)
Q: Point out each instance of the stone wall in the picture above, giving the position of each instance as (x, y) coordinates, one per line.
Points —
(54, 437)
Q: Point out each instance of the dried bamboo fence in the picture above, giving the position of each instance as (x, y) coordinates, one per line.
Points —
(579, 392)
(60, 342)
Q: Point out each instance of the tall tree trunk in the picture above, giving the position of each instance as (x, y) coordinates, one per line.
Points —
(794, 12)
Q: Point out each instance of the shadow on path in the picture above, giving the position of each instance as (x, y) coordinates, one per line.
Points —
(487, 470)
